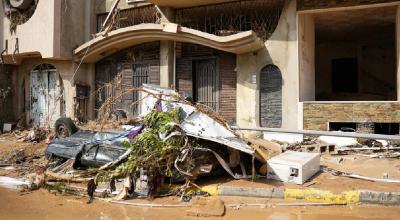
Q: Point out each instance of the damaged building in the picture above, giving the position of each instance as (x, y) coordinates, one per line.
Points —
(305, 64)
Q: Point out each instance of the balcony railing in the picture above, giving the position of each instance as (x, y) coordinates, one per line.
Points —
(133, 16)
(260, 16)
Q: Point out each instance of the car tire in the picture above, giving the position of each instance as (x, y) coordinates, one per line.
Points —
(64, 127)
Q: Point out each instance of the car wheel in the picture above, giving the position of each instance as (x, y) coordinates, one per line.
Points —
(64, 127)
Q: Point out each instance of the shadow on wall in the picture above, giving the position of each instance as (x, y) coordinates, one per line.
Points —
(286, 29)
(6, 110)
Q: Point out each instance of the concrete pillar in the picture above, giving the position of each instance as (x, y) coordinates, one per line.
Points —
(306, 37)
(167, 51)
(247, 92)
(92, 94)
(167, 61)
(398, 51)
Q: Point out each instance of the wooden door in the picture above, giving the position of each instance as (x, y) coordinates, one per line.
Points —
(206, 83)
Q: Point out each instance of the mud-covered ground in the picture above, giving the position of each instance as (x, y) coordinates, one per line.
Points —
(43, 205)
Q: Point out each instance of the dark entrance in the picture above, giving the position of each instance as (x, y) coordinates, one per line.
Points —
(206, 83)
(344, 75)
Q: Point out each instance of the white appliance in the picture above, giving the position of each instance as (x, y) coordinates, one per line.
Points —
(293, 167)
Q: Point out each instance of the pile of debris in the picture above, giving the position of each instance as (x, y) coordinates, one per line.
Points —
(21, 162)
(345, 145)
(172, 142)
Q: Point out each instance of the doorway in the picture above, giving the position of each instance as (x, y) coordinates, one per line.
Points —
(45, 97)
(206, 83)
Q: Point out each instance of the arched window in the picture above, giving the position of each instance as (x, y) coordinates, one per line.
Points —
(271, 97)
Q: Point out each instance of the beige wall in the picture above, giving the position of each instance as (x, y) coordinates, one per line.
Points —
(280, 50)
(54, 30)
(306, 29)
(38, 33)
(77, 24)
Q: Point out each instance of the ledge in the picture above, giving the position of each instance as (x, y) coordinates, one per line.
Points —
(116, 40)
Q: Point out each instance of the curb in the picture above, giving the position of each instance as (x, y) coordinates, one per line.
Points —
(307, 195)
(384, 198)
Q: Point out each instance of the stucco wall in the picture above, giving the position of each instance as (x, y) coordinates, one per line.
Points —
(280, 50)
(77, 25)
(38, 33)
(306, 28)
(53, 31)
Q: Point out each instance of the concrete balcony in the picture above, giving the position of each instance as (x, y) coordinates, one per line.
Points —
(101, 46)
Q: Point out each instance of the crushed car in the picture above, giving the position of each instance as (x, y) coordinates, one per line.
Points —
(90, 148)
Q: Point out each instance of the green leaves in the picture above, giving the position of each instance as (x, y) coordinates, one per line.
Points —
(149, 150)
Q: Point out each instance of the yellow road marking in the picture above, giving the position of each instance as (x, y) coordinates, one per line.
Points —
(314, 195)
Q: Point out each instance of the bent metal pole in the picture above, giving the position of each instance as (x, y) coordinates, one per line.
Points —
(322, 133)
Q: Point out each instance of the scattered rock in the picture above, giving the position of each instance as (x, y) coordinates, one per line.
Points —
(206, 207)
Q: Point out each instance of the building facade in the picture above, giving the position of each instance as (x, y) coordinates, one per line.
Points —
(303, 64)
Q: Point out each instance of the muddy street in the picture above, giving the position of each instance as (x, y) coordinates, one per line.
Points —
(44, 205)
(200, 109)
